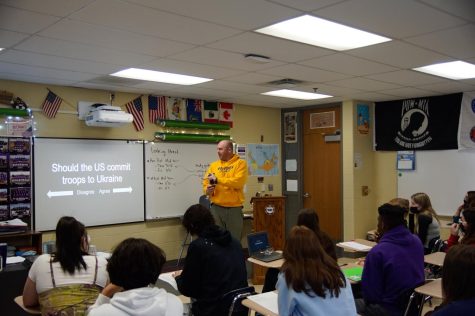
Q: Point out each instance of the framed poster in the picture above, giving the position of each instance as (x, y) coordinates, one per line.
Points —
(290, 127)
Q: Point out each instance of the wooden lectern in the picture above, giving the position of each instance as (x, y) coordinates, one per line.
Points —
(269, 215)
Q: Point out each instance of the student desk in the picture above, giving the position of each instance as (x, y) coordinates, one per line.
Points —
(432, 288)
(30, 310)
(364, 242)
(258, 307)
(436, 258)
(271, 264)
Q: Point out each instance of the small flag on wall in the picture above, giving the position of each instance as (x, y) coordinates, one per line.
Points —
(211, 113)
(193, 110)
(176, 109)
(135, 108)
(51, 105)
(226, 113)
(157, 108)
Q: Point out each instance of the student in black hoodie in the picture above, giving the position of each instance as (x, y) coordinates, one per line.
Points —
(214, 264)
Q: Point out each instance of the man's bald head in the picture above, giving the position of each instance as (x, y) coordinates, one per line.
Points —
(225, 150)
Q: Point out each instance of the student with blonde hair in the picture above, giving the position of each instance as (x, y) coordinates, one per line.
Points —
(311, 283)
(426, 222)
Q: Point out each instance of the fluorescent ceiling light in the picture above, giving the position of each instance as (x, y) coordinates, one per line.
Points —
(159, 76)
(319, 32)
(292, 94)
(453, 70)
(1, 49)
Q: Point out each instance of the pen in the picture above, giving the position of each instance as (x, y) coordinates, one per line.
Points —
(342, 265)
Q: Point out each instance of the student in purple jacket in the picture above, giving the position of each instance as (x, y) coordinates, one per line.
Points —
(392, 268)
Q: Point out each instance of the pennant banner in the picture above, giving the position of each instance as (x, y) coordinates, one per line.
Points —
(226, 113)
(176, 109)
(194, 110)
(467, 121)
(157, 108)
(429, 123)
(135, 108)
(51, 105)
(211, 113)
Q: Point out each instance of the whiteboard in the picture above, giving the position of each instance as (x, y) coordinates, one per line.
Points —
(445, 175)
(173, 177)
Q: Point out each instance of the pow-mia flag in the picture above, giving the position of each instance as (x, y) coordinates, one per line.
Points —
(418, 124)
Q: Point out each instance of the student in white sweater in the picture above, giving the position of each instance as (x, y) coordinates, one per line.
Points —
(133, 270)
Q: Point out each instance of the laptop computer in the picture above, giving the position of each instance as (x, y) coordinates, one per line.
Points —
(257, 244)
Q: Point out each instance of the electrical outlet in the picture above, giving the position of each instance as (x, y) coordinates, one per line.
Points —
(364, 190)
(270, 187)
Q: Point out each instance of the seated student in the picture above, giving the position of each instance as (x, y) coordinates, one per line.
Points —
(467, 201)
(307, 217)
(68, 281)
(466, 227)
(214, 264)
(458, 282)
(311, 283)
(133, 269)
(393, 267)
(408, 218)
(426, 221)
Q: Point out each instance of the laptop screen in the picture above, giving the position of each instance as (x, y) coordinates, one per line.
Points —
(257, 242)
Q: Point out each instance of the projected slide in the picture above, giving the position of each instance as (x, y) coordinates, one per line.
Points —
(99, 182)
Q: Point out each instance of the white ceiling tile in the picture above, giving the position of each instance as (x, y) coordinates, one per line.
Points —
(24, 21)
(399, 54)
(152, 22)
(394, 19)
(50, 7)
(448, 86)
(219, 58)
(8, 39)
(462, 8)
(35, 79)
(235, 14)
(303, 73)
(253, 78)
(346, 64)
(408, 92)
(81, 51)
(457, 42)
(374, 96)
(44, 72)
(206, 94)
(364, 84)
(193, 69)
(95, 35)
(408, 77)
(55, 62)
(335, 90)
(233, 86)
(272, 47)
(307, 5)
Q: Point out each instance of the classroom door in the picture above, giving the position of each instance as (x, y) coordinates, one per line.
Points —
(322, 168)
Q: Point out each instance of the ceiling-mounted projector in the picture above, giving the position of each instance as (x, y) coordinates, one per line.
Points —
(107, 116)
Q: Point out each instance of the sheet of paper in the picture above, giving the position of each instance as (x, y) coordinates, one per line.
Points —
(291, 165)
(17, 259)
(267, 300)
(354, 245)
(292, 185)
(168, 277)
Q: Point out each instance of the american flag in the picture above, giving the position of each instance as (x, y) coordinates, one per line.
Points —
(51, 104)
(157, 108)
(135, 108)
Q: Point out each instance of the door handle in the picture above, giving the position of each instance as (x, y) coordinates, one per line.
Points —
(306, 195)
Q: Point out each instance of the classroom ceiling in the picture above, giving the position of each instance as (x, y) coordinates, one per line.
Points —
(79, 43)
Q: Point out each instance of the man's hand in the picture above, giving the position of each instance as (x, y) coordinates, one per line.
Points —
(212, 179)
(210, 189)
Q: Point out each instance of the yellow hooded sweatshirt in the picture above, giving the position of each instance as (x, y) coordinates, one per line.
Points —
(231, 175)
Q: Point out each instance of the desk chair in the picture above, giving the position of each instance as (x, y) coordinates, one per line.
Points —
(232, 301)
(29, 310)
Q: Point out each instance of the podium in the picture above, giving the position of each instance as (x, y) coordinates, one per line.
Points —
(269, 215)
